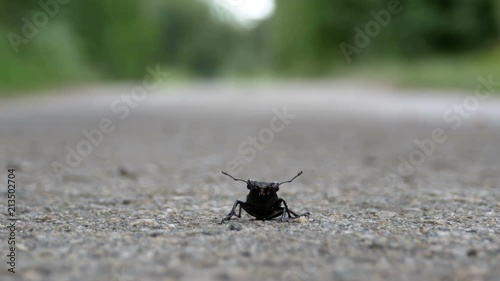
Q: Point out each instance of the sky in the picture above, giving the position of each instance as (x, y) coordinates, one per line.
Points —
(246, 10)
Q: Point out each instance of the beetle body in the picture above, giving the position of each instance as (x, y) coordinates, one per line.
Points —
(263, 202)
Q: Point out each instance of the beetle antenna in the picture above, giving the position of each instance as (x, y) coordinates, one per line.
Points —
(233, 177)
(291, 179)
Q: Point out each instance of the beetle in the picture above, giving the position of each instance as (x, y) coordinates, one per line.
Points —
(263, 202)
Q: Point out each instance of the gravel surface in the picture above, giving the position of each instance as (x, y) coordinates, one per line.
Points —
(145, 203)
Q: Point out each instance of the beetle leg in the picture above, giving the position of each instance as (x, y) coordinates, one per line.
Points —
(306, 214)
(287, 211)
(233, 211)
(239, 212)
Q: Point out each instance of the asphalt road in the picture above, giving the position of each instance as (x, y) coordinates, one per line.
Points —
(401, 185)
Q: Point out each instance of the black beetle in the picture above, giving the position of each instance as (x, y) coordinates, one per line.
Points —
(262, 202)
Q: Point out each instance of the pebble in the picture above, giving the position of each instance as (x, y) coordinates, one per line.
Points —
(472, 253)
(302, 220)
(145, 223)
(128, 172)
(18, 165)
(235, 226)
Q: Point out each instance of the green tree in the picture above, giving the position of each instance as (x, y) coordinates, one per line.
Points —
(119, 37)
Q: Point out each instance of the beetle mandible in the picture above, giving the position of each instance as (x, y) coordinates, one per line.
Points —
(263, 202)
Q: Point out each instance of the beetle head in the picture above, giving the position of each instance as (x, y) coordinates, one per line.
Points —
(263, 187)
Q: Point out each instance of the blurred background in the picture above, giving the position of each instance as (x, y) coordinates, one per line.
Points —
(428, 43)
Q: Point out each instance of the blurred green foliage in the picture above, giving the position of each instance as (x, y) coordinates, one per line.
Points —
(111, 39)
(117, 39)
(308, 33)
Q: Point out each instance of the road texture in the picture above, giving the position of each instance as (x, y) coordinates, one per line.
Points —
(143, 201)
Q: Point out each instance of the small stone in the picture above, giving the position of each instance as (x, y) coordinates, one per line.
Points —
(302, 220)
(246, 253)
(424, 230)
(44, 218)
(472, 253)
(126, 201)
(156, 233)
(235, 226)
(22, 247)
(144, 223)
(18, 165)
(128, 172)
